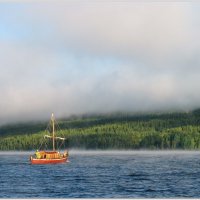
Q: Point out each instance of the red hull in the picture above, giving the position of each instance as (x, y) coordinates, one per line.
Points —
(48, 161)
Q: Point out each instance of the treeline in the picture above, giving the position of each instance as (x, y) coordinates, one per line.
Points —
(114, 131)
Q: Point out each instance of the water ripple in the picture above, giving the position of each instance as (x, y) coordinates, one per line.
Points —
(150, 175)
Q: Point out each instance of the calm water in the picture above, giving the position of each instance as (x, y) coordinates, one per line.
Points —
(103, 174)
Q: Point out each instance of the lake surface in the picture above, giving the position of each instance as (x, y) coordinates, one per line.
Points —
(103, 174)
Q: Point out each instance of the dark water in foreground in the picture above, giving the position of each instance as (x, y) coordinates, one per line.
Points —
(103, 175)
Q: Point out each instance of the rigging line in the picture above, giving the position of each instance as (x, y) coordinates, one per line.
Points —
(60, 130)
(40, 145)
(61, 144)
(46, 146)
(48, 124)
(62, 134)
(42, 142)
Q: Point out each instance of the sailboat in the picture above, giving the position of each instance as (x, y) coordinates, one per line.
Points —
(50, 157)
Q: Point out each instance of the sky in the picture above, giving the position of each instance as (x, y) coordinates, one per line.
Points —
(81, 57)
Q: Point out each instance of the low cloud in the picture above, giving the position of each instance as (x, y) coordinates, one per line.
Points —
(76, 58)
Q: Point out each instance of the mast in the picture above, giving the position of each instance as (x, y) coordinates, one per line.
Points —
(53, 136)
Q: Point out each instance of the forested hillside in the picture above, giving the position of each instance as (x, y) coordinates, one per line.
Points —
(113, 131)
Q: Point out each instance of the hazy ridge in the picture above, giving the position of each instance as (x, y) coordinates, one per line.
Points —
(112, 131)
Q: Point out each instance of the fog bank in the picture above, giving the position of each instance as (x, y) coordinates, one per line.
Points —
(97, 57)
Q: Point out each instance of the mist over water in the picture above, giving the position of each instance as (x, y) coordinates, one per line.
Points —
(133, 152)
(113, 152)
(110, 152)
